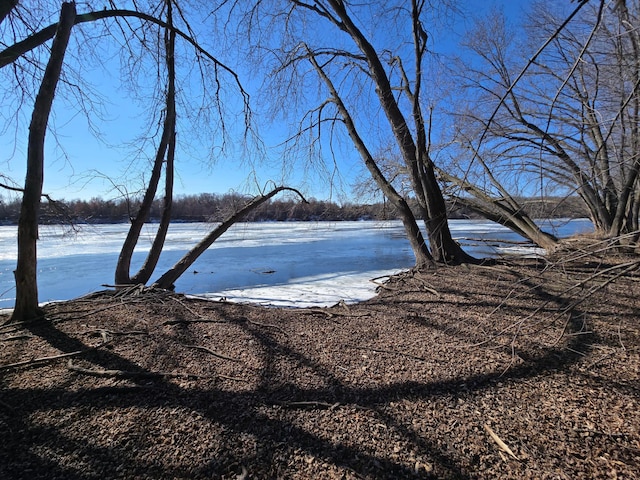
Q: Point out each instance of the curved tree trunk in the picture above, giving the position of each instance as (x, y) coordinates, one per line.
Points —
(167, 146)
(443, 247)
(123, 267)
(420, 166)
(168, 279)
(505, 211)
(414, 235)
(144, 274)
(26, 306)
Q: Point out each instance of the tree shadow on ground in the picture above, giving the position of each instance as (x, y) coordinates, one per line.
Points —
(264, 416)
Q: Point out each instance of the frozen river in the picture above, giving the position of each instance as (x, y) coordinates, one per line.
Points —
(294, 263)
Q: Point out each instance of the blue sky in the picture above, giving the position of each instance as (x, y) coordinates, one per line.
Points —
(77, 164)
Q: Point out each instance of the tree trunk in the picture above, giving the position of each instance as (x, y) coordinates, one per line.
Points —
(425, 184)
(26, 306)
(623, 214)
(169, 278)
(167, 146)
(443, 247)
(5, 8)
(504, 211)
(123, 267)
(414, 235)
(144, 274)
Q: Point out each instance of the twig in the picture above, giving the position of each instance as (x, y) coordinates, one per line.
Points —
(17, 337)
(130, 375)
(89, 313)
(324, 311)
(318, 404)
(129, 290)
(499, 442)
(425, 286)
(309, 404)
(630, 266)
(15, 326)
(178, 321)
(194, 313)
(211, 352)
(625, 267)
(392, 352)
(382, 285)
(620, 337)
(329, 313)
(119, 333)
(597, 361)
(42, 360)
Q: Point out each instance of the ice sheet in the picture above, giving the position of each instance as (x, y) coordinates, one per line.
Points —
(295, 263)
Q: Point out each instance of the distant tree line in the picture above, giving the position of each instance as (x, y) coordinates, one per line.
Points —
(208, 207)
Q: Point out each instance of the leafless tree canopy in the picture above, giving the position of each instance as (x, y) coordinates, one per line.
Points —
(570, 124)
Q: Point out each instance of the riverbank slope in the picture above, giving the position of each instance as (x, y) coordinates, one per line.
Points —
(522, 369)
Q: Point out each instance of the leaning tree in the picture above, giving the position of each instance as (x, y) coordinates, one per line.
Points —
(144, 36)
(368, 89)
(570, 122)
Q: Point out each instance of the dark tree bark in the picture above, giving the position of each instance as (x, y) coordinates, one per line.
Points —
(575, 121)
(413, 150)
(505, 210)
(167, 146)
(414, 235)
(417, 159)
(26, 306)
(167, 280)
(5, 8)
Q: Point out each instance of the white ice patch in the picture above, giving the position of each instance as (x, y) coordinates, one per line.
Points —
(275, 263)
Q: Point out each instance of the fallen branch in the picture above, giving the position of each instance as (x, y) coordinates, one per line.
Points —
(88, 313)
(190, 310)
(318, 404)
(167, 280)
(17, 337)
(619, 271)
(178, 321)
(118, 332)
(382, 285)
(323, 311)
(329, 313)
(309, 404)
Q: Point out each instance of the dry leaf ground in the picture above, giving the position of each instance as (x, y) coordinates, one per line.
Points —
(544, 354)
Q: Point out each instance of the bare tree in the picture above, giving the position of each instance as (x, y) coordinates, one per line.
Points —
(24, 51)
(336, 39)
(164, 157)
(26, 306)
(571, 122)
(483, 192)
